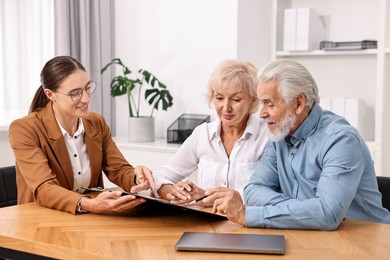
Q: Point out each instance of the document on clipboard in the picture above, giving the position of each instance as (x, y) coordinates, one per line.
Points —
(150, 197)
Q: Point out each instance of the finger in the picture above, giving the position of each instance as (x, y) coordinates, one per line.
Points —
(216, 205)
(110, 195)
(129, 204)
(180, 192)
(218, 193)
(139, 173)
(210, 199)
(139, 187)
(144, 175)
(201, 203)
(150, 180)
(206, 202)
(214, 208)
(187, 186)
(170, 197)
(216, 190)
(126, 198)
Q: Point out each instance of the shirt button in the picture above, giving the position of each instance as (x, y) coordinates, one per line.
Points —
(75, 155)
(79, 173)
(77, 190)
(75, 137)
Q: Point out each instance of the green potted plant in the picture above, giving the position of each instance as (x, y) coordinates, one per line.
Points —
(143, 83)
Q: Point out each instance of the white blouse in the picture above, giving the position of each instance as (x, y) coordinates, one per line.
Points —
(203, 151)
(78, 155)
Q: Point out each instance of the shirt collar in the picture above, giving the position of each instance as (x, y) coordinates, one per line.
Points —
(250, 129)
(80, 129)
(306, 127)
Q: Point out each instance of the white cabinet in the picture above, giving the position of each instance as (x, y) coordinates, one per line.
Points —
(151, 154)
(362, 74)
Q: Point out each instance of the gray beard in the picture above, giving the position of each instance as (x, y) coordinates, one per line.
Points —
(283, 127)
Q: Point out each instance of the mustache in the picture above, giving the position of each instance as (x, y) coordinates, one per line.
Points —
(268, 120)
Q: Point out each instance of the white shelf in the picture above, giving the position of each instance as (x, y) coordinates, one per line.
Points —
(347, 73)
(325, 53)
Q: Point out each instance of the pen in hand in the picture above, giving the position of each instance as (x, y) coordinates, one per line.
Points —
(197, 200)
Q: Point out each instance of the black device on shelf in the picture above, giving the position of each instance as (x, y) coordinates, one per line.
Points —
(344, 46)
(182, 128)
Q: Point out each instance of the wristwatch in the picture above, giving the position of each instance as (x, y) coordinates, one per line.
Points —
(79, 209)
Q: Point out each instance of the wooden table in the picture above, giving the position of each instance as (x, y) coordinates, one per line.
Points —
(151, 233)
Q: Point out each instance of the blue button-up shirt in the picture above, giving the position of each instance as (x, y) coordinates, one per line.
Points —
(315, 178)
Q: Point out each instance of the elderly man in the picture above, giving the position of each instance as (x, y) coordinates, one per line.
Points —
(316, 169)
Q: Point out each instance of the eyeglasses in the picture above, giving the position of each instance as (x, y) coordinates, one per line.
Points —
(77, 94)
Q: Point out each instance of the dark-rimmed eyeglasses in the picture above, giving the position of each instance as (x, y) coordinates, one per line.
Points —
(77, 94)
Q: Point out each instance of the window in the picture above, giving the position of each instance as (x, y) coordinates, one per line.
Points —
(26, 43)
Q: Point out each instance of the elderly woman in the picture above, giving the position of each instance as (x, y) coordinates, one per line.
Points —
(224, 152)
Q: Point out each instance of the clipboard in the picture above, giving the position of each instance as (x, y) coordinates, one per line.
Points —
(151, 198)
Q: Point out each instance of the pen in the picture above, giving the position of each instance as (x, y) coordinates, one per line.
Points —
(201, 198)
(197, 200)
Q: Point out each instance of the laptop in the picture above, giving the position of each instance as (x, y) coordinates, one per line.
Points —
(231, 243)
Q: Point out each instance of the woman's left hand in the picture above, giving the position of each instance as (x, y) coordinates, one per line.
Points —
(190, 188)
(110, 202)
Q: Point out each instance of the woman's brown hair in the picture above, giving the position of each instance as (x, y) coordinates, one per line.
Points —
(52, 74)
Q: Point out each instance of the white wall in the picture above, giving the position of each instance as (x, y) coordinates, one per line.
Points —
(181, 41)
(6, 155)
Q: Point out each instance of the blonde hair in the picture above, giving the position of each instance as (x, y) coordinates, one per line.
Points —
(234, 74)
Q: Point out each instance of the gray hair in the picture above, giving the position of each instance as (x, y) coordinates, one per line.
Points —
(237, 75)
(292, 79)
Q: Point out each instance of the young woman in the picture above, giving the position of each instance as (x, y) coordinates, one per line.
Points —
(61, 148)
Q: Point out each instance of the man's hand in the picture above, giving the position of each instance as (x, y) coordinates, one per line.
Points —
(227, 202)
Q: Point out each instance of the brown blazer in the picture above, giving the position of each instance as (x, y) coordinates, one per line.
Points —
(43, 168)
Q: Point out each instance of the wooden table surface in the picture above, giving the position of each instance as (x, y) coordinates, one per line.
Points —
(151, 232)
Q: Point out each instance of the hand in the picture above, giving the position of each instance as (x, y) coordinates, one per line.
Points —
(181, 193)
(110, 202)
(227, 202)
(144, 179)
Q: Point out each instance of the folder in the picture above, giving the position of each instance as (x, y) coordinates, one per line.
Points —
(359, 116)
(338, 106)
(310, 30)
(326, 103)
(289, 30)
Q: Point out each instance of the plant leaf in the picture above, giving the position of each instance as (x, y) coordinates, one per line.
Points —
(119, 86)
(156, 97)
